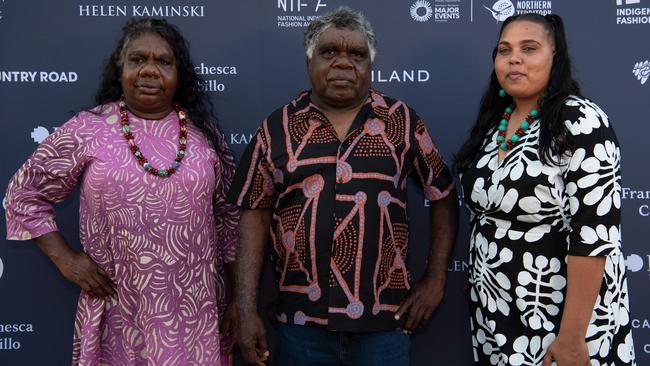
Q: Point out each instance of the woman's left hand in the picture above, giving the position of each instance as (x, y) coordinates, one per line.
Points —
(229, 325)
(567, 351)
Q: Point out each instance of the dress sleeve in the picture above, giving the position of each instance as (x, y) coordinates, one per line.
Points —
(593, 184)
(254, 183)
(226, 214)
(429, 169)
(48, 176)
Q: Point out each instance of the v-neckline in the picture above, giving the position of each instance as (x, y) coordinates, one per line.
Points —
(501, 162)
(362, 115)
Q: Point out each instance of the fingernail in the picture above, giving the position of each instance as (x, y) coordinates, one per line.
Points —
(266, 353)
(396, 316)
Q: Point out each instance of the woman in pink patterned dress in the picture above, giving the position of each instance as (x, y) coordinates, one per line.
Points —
(155, 227)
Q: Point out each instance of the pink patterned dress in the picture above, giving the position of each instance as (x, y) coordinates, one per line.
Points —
(163, 241)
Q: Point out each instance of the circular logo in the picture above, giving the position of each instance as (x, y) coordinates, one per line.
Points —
(634, 263)
(39, 134)
(421, 11)
(2, 267)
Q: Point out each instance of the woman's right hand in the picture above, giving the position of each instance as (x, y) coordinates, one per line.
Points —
(82, 270)
(77, 267)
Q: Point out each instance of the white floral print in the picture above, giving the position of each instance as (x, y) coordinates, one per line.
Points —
(527, 217)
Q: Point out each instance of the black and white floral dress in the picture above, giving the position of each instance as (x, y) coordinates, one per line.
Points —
(526, 218)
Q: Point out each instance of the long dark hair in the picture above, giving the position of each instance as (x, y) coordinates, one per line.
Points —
(188, 92)
(554, 139)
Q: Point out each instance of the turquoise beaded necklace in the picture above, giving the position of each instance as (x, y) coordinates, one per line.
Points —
(506, 145)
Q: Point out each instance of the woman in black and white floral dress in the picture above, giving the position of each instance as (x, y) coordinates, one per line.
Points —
(540, 175)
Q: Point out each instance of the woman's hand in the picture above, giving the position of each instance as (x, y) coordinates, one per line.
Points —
(75, 266)
(79, 268)
(567, 351)
(584, 279)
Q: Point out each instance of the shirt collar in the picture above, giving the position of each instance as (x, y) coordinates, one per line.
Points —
(366, 112)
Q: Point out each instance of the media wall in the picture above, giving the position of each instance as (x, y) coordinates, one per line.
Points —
(434, 54)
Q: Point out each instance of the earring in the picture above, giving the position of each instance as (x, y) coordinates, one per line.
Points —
(502, 93)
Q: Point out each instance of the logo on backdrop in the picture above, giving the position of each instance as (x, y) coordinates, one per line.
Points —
(640, 323)
(9, 331)
(644, 196)
(457, 265)
(7, 76)
(636, 263)
(167, 11)
(631, 15)
(442, 11)
(299, 13)
(421, 11)
(39, 134)
(503, 9)
(7, 341)
(446, 11)
(400, 76)
(240, 138)
(642, 70)
(212, 75)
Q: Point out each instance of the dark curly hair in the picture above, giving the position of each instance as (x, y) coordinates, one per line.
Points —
(554, 138)
(188, 93)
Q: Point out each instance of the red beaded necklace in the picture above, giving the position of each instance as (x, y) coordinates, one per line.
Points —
(182, 142)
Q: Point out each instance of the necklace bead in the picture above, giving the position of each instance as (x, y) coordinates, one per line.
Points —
(182, 142)
(507, 144)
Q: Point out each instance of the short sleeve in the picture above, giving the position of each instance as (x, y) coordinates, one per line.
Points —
(48, 176)
(226, 214)
(429, 169)
(254, 186)
(593, 182)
